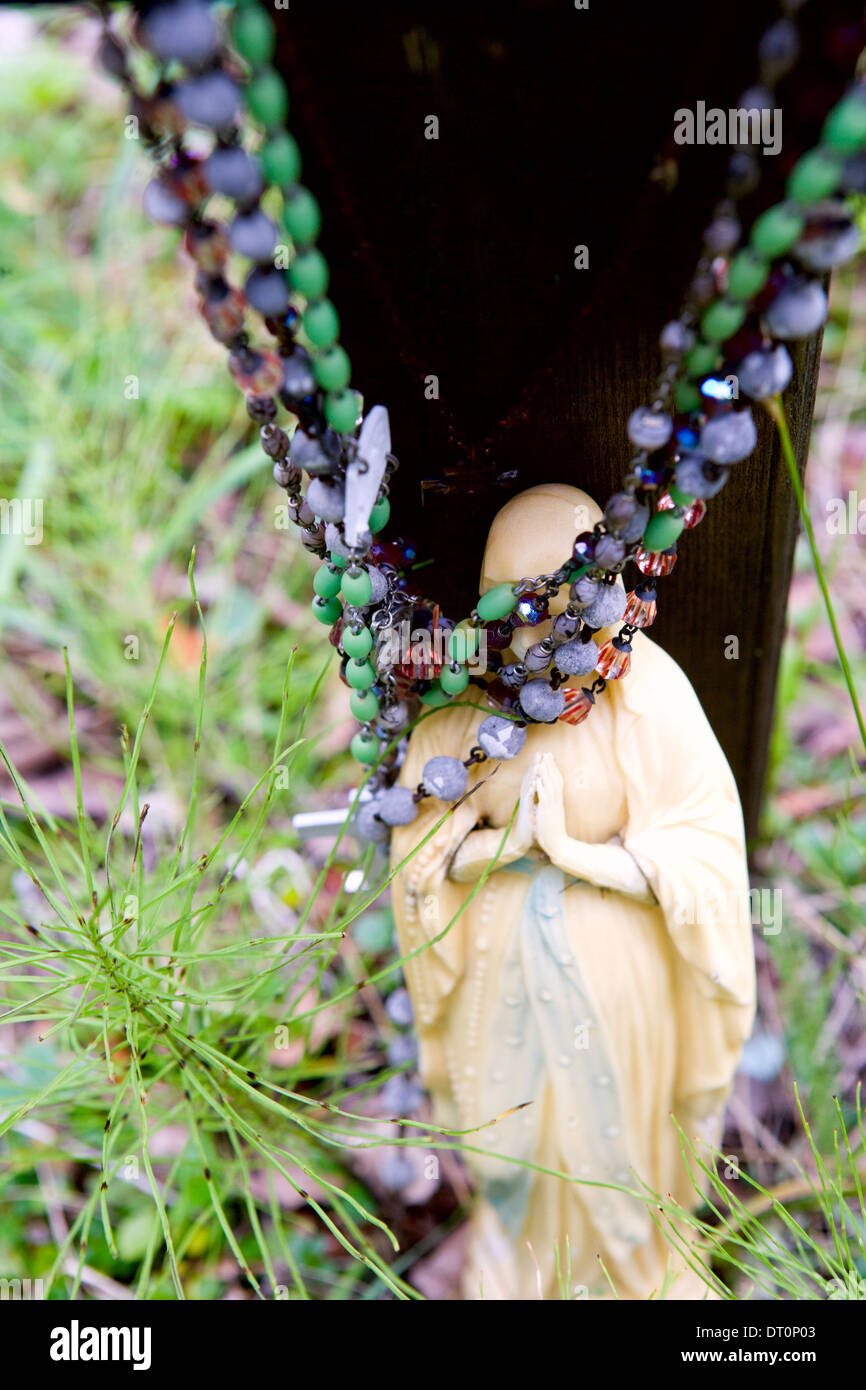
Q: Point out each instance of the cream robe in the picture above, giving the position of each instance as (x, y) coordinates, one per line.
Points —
(606, 1013)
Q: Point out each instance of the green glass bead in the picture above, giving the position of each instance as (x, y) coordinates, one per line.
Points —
(452, 682)
(360, 673)
(327, 610)
(322, 324)
(688, 398)
(357, 644)
(253, 35)
(308, 274)
(267, 98)
(681, 498)
(364, 747)
(435, 696)
(747, 274)
(333, 370)
(722, 320)
(776, 230)
(302, 216)
(326, 581)
(662, 531)
(701, 359)
(280, 159)
(463, 643)
(814, 177)
(357, 588)
(364, 705)
(380, 515)
(845, 127)
(339, 560)
(497, 603)
(342, 409)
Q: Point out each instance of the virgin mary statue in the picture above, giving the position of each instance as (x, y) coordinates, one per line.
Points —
(589, 996)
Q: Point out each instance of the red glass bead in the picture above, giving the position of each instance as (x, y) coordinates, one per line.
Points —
(186, 178)
(208, 245)
(584, 548)
(500, 696)
(225, 316)
(640, 608)
(614, 659)
(399, 553)
(578, 703)
(498, 635)
(257, 373)
(655, 562)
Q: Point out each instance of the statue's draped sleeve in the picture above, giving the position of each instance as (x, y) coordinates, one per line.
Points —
(427, 904)
(685, 830)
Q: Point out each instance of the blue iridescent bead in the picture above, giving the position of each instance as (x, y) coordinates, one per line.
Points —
(687, 438)
(651, 474)
(532, 609)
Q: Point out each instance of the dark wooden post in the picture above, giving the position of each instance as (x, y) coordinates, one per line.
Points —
(454, 257)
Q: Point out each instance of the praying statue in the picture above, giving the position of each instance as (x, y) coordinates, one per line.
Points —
(580, 960)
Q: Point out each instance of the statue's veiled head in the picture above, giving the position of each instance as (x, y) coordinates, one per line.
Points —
(534, 534)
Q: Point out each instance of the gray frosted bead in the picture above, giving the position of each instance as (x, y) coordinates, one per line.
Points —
(397, 806)
(398, 1007)
(765, 372)
(723, 234)
(501, 738)
(540, 702)
(585, 590)
(729, 438)
(756, 99)
(400, 1096)
(625, 516)
(210, 100)
(675, 339)
(649, 429)
(367, 822)
(327, 499)
(577, 658)
(778, 49)
(230, 170)
(609, 550)
(337, 545)
(402, 1049)
(312, 453)
(254, 235)
(797, 311)
(634, 529)
(184, 30)
(830, 238)
(606, 609)
(380, 586)
(267, 292)
(299, 380)
(444, 778)
(564, 627)
(699, 477)
(162, 205)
